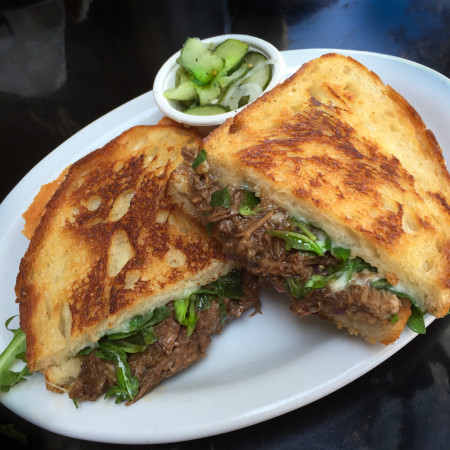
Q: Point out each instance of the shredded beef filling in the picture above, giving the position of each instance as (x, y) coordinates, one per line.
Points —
(95, 378)
(173, 352)
(245, 239)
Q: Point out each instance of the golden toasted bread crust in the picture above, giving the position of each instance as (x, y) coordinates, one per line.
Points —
(384, 332)
(35, 211)
(111, 245)
(335, 146)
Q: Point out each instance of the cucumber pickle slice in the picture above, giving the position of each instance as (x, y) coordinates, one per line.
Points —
(198, 60)
(261, 72)
(184, 91)
(233, 52)
(207, 110)
(181, 76)
(207, 94)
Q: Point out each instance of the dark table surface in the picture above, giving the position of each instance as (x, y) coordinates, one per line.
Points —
(63, 64)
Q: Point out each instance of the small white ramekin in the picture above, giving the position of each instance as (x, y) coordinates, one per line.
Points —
(165, 79)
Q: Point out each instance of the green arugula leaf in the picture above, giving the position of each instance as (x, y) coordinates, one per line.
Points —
(202, 301)
(10, 430)
(355, 265)
(15, 350)
(299, 241)
(249, 204)
(415, 321)
(127, 345)
(86, 351)
(185, 313)
(303, 227)
(306, 240)
(298, 290)
(228, 286)
(221, 198)
(127, 385)
(149, 336)
(201, 157)
(341, 253)
(294, 287)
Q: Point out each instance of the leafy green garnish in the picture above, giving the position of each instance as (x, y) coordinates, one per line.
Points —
(185, 313)
(356, 265)
(297, 290)
(299, 241)
(415, 321)
(303, 227)
(201, 157)
(228, 286)
(340, 253)
(313, 239)
(127, 385)
(86, 351)
(10, 430)
(15, 350)
(306, 240)
(221, 198)
(75, 402)
(249, 204)
(394, 319)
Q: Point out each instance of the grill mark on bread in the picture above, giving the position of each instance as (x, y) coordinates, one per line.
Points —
(445, 278)
(106, 183)
(89, 300)
(320, 128)
(440, 200)
(386, 229)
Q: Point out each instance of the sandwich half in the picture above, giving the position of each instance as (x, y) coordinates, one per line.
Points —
(331, 187)
(119, 287)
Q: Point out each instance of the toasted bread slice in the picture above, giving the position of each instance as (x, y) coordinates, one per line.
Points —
(111, 245)
(339, 149)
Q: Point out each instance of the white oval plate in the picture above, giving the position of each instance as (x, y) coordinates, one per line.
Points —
(259, 367)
